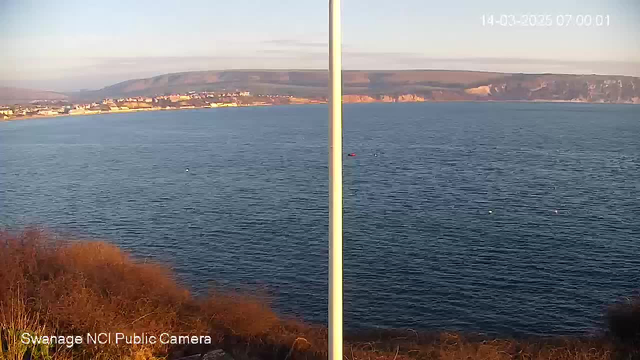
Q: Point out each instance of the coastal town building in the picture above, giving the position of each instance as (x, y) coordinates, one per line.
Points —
(47, 112)
(190, 100)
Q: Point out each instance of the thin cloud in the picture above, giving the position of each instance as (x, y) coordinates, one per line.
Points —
(297, 43)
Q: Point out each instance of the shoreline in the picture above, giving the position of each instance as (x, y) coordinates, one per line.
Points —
(33, 117)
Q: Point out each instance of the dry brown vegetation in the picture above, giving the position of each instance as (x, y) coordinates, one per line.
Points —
(54, 287)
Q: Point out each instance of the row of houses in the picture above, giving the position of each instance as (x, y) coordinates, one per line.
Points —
(44, 110)
(189, 100)
(191, 95)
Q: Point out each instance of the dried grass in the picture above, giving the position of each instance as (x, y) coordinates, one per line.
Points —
(49, 286)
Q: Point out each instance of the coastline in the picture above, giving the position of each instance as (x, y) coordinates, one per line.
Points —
(33, 117)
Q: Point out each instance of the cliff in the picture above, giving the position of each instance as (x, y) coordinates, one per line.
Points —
(389, 86)
(367, 86)
(578, 88)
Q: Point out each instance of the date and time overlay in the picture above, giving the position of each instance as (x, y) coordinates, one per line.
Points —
(546, 20)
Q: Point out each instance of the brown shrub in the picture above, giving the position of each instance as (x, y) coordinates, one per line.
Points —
(79, 287)
(401, 344)
(87, 287)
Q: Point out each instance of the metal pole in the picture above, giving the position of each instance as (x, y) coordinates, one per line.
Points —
(335, 182)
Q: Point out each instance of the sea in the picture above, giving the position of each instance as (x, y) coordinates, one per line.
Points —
(514, 219)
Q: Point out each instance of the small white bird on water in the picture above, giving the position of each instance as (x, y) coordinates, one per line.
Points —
(186, 170)
(490, 211)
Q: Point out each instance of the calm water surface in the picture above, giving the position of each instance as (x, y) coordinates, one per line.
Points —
(499, 218)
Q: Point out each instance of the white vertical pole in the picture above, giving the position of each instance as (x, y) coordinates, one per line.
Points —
(335, 182)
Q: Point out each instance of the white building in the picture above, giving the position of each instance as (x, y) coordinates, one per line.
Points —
(47, 112)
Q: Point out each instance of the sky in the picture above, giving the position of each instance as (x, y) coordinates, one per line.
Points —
(73, 44)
